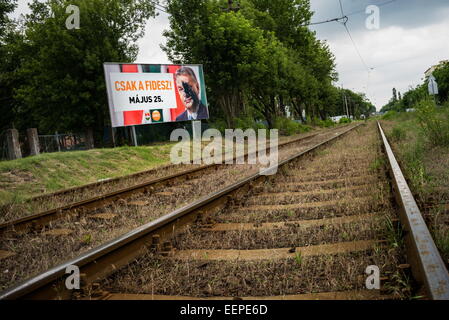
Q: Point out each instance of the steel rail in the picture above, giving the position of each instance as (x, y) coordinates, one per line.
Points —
(427, 265)
(41, 219)
(104, 260)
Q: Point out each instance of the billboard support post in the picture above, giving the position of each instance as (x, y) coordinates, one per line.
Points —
(196, 139)
(113, 136)
(134, 136)
(196, 129)
(133, 130)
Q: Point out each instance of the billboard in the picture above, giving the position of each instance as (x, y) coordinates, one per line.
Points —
(155, 93)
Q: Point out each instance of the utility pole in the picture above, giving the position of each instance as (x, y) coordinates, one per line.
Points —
(345, 101)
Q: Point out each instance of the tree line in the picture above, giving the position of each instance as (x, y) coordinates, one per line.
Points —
(259, 60)
(415, 95)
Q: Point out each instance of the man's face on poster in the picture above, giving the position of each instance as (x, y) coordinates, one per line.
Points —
(188, 91)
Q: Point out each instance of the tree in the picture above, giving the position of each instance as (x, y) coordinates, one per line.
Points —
(263, 55)
(287, 19)
(9, 61)
(63, 87)
(441, 75)
(6, 7)
(395, 96)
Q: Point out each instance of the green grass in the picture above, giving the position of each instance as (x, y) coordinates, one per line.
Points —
(27, 177)
(420, 142)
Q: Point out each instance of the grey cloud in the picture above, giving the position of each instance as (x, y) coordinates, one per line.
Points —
(407, 14)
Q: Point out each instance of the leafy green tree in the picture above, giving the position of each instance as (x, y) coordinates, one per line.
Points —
(63, 87)
(441, 75)
(261, 58)
(6, 7)
(9, 61)
(287, 19)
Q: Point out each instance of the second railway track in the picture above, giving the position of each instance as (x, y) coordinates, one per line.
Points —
(310, 232)
(45, 203)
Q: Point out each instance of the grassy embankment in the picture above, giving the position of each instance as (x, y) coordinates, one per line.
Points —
(23, 178)
(421, 142)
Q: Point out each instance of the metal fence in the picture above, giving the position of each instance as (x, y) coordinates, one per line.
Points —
(62, 142)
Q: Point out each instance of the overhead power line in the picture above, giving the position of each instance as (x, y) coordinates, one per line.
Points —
(345, 17)
(325, 21)
(159, 7)
(378, 5)
(345, 24)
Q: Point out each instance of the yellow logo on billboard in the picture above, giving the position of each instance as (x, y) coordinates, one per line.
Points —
(156, 116)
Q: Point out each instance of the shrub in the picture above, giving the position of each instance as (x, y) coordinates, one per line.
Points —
(433, 122)
(247, 122)
(243, 123)
(323, 124)
(398, 134)
(219, 124)
(328, 123)
(390, 115)
(345, 120)
(289, 127)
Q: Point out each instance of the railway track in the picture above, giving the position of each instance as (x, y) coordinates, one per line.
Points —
(35, 243)
(310, 232)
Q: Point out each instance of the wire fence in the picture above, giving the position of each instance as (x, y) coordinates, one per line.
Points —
(47, 143)
(62, 142)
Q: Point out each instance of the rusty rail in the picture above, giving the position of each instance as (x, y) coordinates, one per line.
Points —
(427, 265)
(104, 260)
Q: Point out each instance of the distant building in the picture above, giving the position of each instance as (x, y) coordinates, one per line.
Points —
(433, 68)
(337, 119)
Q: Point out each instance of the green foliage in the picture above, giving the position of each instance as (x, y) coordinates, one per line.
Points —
(408, 100)
(87, 239)
(394, 233)
(9, 57)
(219, 124)
(59, 74)
(344, 120)
(248, 123)
(377, 164)
(346, 101)
(289, 127)
(258, 59)
(6, 7)
(328, 123)
(390, 115)
(298, 258)
(433, 122)
(416, 172)
(398, 134)
(442, 240)
(442, 77)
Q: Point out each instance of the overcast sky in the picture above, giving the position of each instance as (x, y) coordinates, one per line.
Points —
(413, 35)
